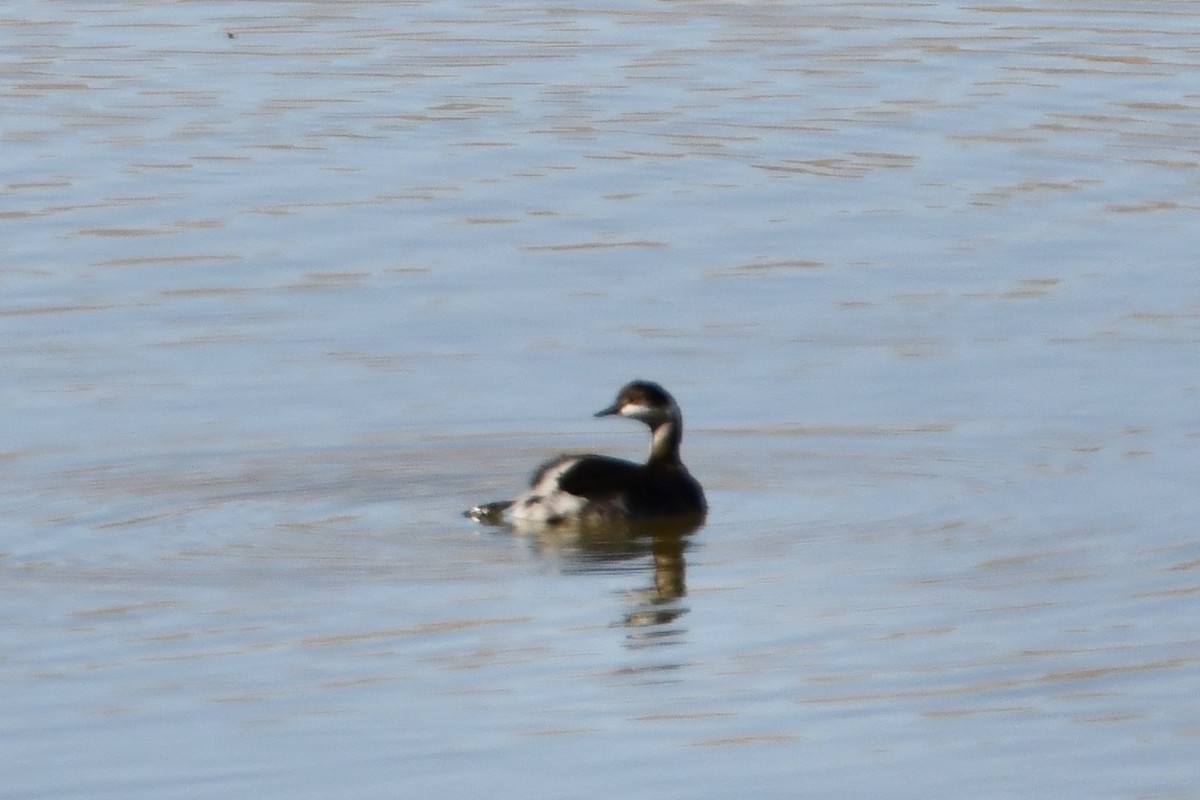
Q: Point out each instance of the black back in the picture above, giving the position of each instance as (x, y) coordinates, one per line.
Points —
(645, 490)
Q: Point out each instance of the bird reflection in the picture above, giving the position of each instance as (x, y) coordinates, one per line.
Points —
(623, 547)
(655, 605)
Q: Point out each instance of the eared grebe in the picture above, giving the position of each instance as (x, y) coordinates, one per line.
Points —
(591, 489)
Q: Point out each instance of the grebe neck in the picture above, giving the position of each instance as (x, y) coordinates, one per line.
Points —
(664, 444)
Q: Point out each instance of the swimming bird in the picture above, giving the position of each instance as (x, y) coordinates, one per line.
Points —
(594, 489)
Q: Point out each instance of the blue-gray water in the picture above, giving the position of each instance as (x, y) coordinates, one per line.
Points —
(285, 286)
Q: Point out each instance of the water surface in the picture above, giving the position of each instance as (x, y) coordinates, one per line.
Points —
(287, 286)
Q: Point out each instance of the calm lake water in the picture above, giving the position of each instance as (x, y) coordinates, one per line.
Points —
(286, 286)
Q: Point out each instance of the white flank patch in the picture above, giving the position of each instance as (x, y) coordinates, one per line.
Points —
(552, 507)
(550, 478)
(545, 501)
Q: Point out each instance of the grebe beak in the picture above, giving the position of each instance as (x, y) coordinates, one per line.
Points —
(615, 408)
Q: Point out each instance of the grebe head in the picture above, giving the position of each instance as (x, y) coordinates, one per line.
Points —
(644, 401)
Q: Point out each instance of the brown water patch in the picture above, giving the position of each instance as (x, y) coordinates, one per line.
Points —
(593, 245)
